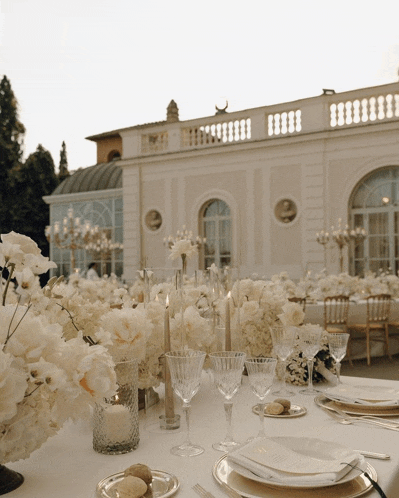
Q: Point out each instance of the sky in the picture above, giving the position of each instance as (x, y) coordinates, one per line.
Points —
(83, 67)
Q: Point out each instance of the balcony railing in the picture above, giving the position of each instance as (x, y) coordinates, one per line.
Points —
(327, 112)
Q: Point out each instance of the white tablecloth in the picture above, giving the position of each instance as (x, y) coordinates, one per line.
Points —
(314, 313)
(67, 467)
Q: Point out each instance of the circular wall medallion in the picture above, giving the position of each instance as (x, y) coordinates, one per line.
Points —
(286, 210)
(153, 220)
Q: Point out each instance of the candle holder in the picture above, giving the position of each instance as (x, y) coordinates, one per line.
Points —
(71, 234)
(116, 420)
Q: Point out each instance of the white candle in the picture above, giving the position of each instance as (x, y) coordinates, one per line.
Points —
(227, 324)
(117, 422)
(169, 401)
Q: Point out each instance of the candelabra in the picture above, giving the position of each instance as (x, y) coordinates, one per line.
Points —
(342, 237)
(323, 238)
(189, 242)
(101, 246)
(70, 234)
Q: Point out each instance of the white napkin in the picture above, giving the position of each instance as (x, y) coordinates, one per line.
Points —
(290, 460)
(363, 395)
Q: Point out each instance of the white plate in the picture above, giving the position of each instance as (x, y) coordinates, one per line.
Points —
(294, 411)
(379, 411)
(163, 485)
(315, 448)
(224, 474)
(368, 395)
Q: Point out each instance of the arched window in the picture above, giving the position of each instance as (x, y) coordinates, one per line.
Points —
(215, 225)
(375, 206)
(113, 155)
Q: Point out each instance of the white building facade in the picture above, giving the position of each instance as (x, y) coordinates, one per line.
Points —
(260, 183)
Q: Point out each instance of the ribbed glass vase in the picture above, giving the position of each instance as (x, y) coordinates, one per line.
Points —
(116, 420)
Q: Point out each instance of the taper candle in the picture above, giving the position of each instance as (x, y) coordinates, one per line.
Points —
(169, 402)
(227, 324)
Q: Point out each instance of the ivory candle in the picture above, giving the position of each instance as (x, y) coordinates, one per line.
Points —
(169, 402)
(117, 423)
(227, 324)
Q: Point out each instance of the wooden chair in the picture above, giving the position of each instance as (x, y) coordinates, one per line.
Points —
(299, 300)
(336, 311)
(376, 327)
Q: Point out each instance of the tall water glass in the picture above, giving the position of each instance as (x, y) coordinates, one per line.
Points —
(338, 344)
(283, 339)
(310, 345)
(227, 367)
(261, 375)
(185, 370)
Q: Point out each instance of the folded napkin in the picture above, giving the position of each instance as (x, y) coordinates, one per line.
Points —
(363, 395)
(295, 460)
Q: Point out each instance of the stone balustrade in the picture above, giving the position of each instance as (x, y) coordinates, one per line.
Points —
(327, 112)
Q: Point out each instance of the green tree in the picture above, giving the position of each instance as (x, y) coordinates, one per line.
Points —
(30, 182)
(12, 133)
(63, 170)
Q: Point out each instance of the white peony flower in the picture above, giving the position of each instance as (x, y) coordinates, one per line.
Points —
(181, 247)
(26, 244)
(293, 314)
(13, 384)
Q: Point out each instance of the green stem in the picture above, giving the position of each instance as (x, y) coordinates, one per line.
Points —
(10, 272)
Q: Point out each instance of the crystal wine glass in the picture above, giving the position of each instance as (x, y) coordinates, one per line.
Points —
(283, 339)
(261, 375)
(338, 344)
(310, 345)
(185, 370)
(227, 367)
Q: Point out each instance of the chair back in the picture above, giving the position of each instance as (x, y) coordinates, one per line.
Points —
(298, 300)
(336, 309)
(378, 308)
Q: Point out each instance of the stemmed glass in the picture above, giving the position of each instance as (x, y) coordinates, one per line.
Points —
(261, 375)
(338, 344)
(185, 371)
(283, 339)
(310, 345)
(227, 367)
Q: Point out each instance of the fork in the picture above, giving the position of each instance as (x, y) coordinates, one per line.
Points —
(348, 420)
(202, 492)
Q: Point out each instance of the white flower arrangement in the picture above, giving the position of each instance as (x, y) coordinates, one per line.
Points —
(44, 379)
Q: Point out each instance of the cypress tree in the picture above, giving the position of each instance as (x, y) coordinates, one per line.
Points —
(11, 141)
(33, 180)
(63, 169)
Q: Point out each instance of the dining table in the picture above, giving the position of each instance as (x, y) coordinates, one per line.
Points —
(314, 313)
(66, 466)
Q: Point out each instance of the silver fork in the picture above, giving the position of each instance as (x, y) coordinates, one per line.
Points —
(202, 492)
(348, 420)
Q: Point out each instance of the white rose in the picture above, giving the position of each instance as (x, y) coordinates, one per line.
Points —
(293, 314)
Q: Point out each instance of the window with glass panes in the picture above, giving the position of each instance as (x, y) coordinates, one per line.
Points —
(375, 207)
(108, 215)
(215, 225)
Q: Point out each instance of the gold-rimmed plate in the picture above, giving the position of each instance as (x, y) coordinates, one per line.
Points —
(224, 474)
(324, 402)
(293, 412)
(163, 485)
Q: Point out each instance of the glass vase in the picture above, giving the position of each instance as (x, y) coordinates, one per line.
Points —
(116, 420)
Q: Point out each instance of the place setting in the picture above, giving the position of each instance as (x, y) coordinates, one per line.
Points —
(277, 467)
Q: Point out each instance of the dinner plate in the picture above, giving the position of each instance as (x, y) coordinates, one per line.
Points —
(312, 447)
(163, 485)
(364, 395)
(224, 474)
(294, 411)
(380, 411)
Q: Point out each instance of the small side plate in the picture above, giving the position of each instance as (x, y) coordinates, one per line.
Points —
(163, 485)
(294, 411)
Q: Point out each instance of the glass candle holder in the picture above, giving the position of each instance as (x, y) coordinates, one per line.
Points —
(116, 420)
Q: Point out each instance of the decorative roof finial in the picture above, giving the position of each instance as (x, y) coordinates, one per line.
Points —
(223, 110)
(172, 112)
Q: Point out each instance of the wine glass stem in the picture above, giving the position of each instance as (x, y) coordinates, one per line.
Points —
(186, 409)
(284, 370)
(310, 373)
(261, 407)
(338, 370)
(228, 410)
